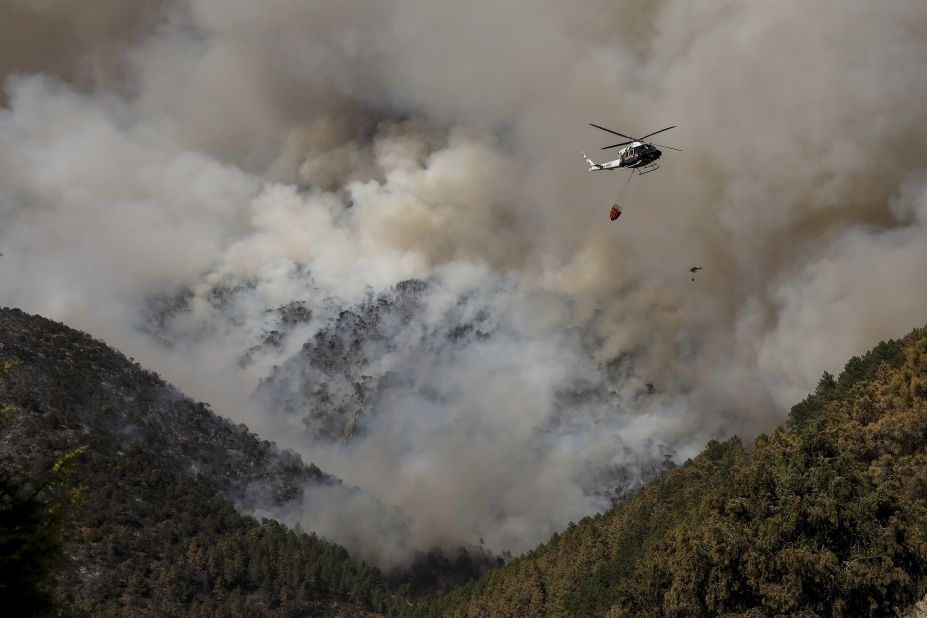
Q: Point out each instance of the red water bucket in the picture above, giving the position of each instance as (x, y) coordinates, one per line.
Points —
(614, 213)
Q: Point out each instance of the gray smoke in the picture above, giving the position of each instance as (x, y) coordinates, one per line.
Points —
(206, 145)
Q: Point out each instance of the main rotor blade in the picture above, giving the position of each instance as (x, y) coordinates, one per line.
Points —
(615, 132)
(670, 147)
(615, 145)
(654, 133)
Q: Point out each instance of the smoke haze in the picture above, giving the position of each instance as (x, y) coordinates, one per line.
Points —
(323, 152)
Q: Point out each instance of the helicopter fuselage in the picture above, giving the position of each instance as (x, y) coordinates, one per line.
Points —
(637, 155)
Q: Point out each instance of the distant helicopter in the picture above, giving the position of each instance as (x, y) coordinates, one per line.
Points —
(694, 270)
(637, 154)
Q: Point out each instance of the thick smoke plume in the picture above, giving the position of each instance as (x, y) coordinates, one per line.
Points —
(238, 157)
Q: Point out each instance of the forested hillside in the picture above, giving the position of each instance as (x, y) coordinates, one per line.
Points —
(826, 516)
(118, 500)
(122, 489)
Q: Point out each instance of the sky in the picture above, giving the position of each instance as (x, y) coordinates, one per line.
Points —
(163, 146)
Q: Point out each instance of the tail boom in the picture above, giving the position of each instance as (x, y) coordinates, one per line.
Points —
(593, 166)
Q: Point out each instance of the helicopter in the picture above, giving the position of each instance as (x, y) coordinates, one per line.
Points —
(636, 154)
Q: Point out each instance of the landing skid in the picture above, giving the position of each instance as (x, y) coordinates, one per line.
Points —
(646, 169)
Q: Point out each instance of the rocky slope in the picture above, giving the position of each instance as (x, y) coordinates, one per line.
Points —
(337, 368)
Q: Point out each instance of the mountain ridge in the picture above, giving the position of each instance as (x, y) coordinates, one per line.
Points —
(826, 516)
(157, 532)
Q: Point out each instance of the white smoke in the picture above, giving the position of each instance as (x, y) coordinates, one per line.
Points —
(198, 144)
